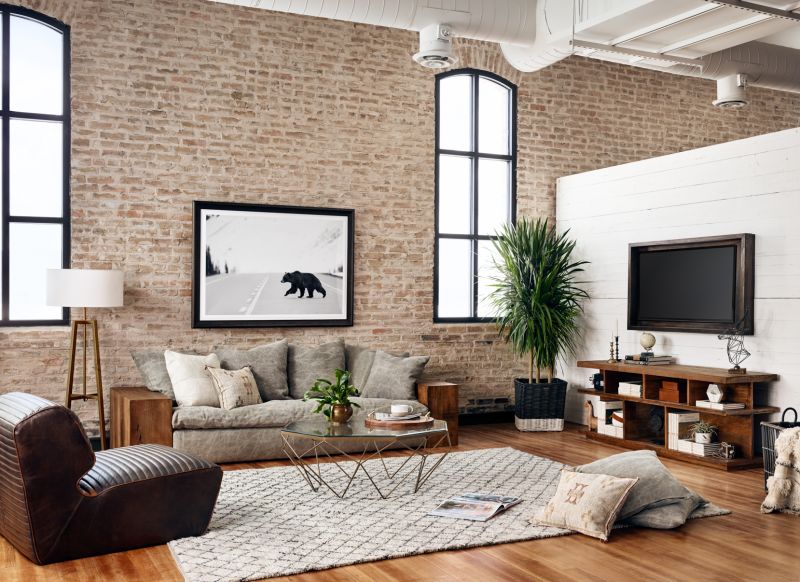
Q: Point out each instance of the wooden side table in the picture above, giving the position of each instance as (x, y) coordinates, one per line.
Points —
(140, 416)
(441, 398)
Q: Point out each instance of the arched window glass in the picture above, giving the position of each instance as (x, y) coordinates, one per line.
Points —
(34, 163)
(475, 187)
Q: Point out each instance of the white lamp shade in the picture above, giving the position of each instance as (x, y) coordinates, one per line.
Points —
(84, 288)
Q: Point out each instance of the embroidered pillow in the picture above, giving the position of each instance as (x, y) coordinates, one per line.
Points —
(235, 388)
(190, 380)
(586, 503)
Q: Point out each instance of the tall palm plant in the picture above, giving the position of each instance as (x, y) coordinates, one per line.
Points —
(535, 293)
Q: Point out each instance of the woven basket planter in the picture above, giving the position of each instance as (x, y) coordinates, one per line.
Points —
(539, 407)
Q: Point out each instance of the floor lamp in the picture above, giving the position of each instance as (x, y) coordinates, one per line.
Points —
(85, 288)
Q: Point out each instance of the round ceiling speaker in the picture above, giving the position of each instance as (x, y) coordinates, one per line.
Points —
(435, 47)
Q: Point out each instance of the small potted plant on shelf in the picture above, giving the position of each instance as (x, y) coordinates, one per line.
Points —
(333, 398)
(703, 432)
(537, 301)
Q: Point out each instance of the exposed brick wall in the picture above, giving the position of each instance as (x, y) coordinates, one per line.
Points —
(188, 99)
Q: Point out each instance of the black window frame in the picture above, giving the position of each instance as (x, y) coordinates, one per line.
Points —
(6, 115)
(474, 155)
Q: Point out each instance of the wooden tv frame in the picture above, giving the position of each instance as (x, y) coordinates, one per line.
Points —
(745, 282)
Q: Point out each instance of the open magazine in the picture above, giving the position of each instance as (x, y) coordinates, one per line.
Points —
(475, 506)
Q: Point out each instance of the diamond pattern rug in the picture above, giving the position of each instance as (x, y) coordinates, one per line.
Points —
(268, 522)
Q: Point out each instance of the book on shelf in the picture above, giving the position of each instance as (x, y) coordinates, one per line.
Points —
(649, 358)
(650, 362)
(699, 449)
(720, 405)
(679, 427)
(475, 506)
(630, 388)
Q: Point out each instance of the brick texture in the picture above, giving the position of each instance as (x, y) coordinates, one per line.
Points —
(193, 100)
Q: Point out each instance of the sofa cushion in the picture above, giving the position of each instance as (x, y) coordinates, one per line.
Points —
(235, 388)
(190, 379)
(308, 363)
(358, 361)
(268, 364)
(272, 414)
(153, 369)
(393, 376)
(668, 516)
(656, 485)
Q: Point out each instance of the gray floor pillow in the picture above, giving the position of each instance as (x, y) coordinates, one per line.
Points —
(268, 364)
(656, 485)
(394, 377)
(667, 516)
(308, 363)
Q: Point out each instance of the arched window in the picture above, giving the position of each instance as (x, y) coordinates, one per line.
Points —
(34, 163)
(475, 187)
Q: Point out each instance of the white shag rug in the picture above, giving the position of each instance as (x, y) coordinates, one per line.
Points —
(268, 522)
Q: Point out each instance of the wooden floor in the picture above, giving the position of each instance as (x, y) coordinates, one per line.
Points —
(744, 546)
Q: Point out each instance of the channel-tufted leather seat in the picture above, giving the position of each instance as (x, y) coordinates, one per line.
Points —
(58, 501)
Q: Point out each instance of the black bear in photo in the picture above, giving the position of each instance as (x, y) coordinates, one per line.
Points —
(303, 282)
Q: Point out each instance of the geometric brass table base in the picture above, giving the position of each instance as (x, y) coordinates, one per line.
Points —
(416, 463)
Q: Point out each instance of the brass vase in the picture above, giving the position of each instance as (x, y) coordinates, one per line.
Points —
(341, 413)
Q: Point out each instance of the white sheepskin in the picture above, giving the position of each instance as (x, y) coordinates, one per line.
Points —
(784, 487)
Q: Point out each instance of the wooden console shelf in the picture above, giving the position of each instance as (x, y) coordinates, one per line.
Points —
(737, 427)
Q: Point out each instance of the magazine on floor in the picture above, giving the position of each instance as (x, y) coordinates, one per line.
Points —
(475, 506)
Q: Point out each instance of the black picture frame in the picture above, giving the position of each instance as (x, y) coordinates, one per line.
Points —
(244, 296)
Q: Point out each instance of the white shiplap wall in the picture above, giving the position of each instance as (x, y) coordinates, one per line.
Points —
(750, 185)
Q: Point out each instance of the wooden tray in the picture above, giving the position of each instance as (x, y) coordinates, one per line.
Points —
(402, 424)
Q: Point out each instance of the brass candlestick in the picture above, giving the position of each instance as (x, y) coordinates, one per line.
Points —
(611, 359)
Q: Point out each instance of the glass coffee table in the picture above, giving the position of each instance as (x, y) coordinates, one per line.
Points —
(308, 442)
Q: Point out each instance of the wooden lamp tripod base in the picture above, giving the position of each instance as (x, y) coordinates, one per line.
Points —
(87, 325)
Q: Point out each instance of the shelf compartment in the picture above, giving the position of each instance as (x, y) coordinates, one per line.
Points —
(644, 422)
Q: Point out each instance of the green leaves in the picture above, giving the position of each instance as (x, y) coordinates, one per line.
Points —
(535, 294)
(328, 393)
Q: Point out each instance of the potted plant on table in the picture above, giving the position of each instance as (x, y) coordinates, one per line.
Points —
(703, 432)
(333, 398)
(537, 301)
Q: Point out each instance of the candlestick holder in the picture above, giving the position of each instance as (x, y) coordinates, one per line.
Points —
(616, 348)
(611, 359)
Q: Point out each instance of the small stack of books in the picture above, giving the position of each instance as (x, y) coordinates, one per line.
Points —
(699, 449)
(605, 425)
(720, 405)
(649, 359)
(678, 425)
(631, 388)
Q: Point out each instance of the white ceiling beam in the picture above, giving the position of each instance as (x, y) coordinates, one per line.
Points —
(760, 9)
(677, 19)
(729, 29)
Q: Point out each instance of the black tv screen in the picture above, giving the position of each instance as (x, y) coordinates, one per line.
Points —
(688, 285)
(698, 285)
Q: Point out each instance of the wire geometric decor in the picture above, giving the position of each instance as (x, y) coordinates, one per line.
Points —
(737, 353)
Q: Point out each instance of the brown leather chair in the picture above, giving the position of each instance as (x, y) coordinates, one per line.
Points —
(58, 501)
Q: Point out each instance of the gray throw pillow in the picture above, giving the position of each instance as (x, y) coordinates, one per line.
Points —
(153, 369)
(394, 377)
(308, 363)
(667, 516)
(358, 361)
(268, 364)
(656, 485)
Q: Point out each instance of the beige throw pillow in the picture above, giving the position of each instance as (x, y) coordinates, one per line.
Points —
(586, 503)
(235, 388)
(190, 380)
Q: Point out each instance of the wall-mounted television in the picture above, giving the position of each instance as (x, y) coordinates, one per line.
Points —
(702, 285)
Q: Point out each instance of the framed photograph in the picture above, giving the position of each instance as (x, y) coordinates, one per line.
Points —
(258, 265)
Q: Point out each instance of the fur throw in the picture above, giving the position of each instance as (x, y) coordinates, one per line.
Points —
(784, 486)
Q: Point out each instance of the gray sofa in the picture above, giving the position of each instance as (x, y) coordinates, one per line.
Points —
(248, 433)
(283, 373)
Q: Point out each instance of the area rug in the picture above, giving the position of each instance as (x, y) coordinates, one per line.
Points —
(268, 522)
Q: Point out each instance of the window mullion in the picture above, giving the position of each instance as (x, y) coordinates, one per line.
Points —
(475, 193)
(4, 162)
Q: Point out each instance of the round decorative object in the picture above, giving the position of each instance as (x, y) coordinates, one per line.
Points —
(647, 340)
(340, 413)
(715, 393)
(656, 421)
